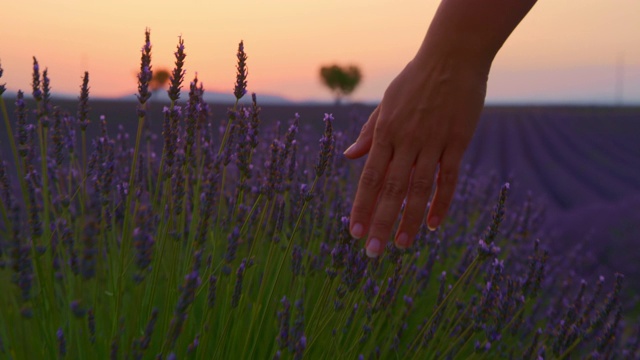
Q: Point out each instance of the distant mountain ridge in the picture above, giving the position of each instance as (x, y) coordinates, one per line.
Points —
(220, 97)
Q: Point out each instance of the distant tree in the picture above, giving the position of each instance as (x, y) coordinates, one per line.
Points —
(340, 80)
(159, 80)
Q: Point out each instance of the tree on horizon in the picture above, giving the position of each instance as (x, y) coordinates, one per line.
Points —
(341, 81)
(159, 79)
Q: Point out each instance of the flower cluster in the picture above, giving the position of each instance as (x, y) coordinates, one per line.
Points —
(234, 244)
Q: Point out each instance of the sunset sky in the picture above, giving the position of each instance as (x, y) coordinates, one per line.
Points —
(564, 51)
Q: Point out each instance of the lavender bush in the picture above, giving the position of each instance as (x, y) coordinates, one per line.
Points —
(231, 241)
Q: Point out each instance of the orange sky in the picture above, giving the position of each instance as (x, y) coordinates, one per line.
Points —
(565, 50)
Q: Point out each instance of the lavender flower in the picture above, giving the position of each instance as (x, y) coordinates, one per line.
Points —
(35, 223)
(237, 290)
(58, 138)
(148, 331)
(291, 135)
(177, 76)
(114, 349)
(255, 122)
(46, 98)
(24, 271)
(76, 309)
(498, 215)
(326, 145)
(89, 252)
(296, 260)
(21, 128)
(2, 86)
(211, 295)
(187, 295)
(145, 75)
(242, 72)
(284, 317)
(5, 189)
(193, 346)
(62, 344)
(35, 83)
(193, 112)
(143, 242)
(83, 103)
(170, 132)
(232, 245)
(91, 323)
(297, 332)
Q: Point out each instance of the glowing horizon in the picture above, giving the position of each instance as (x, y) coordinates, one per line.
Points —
(560, 51)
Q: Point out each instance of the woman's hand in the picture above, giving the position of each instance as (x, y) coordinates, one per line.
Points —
(423, 125)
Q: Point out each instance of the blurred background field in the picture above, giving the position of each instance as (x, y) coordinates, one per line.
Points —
(581, 162)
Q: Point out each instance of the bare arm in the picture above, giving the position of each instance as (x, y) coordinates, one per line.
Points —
(426, 119)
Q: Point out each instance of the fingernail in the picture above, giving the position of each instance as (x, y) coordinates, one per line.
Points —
(402, 242)
(374, 248)
(349, 149)
(357, 230)
(433, 224)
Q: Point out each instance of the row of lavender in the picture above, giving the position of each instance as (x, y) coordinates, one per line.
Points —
(230, 241)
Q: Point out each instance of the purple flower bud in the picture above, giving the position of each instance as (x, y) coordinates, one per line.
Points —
(211, 295)
(326, 146)
(2, 86)
(145, 75)
(35, 84)
(232, 245)
(284, 318)
(242, 72)
(177, 76)
(91, 321)
(237, 291)
(83, 103)
(62, 344)
(76, 309)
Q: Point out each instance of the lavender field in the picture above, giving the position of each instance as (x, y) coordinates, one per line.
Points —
(581, 163)
(180, 229)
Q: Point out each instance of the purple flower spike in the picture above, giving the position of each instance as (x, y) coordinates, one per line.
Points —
(177, 76)
(35, 84)
(2, 86)
(237, 291)
(62, 344)
(46, 97)
(83, 106)
(145, 75)
(284, 317)
(241, 76)
(326, 145)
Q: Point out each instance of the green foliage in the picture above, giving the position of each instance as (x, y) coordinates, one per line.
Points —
(342, 81)
(160, 79)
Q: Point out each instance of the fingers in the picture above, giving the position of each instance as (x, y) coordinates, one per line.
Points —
(418, 196)
(363, 144)
(446, 186)
(371, 181)
(390, 198)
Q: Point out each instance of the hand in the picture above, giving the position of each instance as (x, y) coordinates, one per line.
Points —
(424, 123)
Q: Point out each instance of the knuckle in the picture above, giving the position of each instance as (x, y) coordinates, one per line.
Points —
(420, 187)
(447, 176)
(370, 179)
(393, 189)
(365, 128)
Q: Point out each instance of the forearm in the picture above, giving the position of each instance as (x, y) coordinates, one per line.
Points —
(472, 30)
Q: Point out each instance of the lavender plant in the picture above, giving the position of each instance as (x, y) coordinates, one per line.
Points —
(235, 244)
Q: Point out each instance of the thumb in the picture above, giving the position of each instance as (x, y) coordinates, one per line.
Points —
(363, 142)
